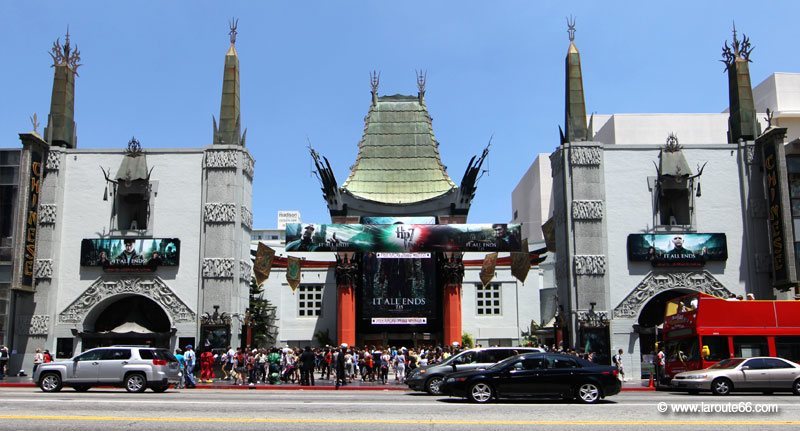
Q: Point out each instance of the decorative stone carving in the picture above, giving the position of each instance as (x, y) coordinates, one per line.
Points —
(221, 159)
(347, 270)
(245, 270)
(217, 268)
(750, 154)
(758, 208)
(655, 283)
(248, 167)
(585, 156)
(247, 218)
(36, 324)
(592, 319)
(216, 318)
(590, 264)
(53, 162)
(453, 269)
(763, 262)
(220, 213)
(47, 213)
(587, 210)
(43, 268)
(154, 289)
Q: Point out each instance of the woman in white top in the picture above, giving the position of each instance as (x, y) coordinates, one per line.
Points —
(38, 358)
(400, 366)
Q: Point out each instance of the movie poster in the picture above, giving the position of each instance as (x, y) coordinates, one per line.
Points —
(398, 288)
(403, 237)
(129, 254)
(678, 249)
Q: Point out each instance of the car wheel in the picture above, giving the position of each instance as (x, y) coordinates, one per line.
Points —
(796, 387)
(480, 393)
(50, 382)
(721, 386)
(81, 388)
(588, 393)
(434, 385)
(135, 383)
(160, 389)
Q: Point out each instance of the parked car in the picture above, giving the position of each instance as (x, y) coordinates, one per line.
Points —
(430, 377)
(761, 374)
(536, 375)
(132, 367)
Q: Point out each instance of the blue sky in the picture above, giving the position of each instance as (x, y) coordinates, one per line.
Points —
(153, 70)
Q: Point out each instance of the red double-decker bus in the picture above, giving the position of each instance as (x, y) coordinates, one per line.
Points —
(700, 330)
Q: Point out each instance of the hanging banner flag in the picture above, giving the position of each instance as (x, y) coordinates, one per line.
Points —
(521, 263)
(487, 270)
(263, 263)
(293, 272)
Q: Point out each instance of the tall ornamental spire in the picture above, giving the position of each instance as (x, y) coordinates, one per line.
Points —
(229, 130)
(60, 129)
(575, 106)
(742, 122)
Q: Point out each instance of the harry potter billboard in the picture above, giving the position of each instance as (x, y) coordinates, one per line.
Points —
(403, 237)
(129, 254)
(398, 288)
(680, 249)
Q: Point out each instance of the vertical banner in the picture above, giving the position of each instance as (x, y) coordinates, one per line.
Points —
(293, 272)
(521, 263)
(263, 263)
(30, 222)
(487, 270)
(778, 210)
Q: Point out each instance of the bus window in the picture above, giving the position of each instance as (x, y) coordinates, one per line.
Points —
(717, 346)
(750, 346)
(788, 348)
(683, 350)
(672, 308)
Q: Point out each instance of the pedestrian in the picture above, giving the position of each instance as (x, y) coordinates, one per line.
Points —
(660, 365)
(207, 366)
(47, 357)
(618, 363)
(341, 379)
(181, 367)
(307, 361)
(3, 361)
(38, 358)
(191, 358)
(400, 366)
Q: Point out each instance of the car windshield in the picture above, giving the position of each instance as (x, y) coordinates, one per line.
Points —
(726, 364)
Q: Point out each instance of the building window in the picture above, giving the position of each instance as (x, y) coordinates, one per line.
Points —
(675, 207)
(309, 300)
(133, 205)
(488, 299)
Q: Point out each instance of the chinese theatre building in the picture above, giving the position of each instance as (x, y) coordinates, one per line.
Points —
(632, 228)
(129, 245)
(398, 265)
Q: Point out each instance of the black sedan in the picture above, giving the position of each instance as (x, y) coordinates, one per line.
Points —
(536, 375)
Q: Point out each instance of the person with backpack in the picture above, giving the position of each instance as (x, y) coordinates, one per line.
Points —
(618, 362)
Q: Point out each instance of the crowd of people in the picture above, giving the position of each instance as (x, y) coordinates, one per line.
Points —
(343, 365)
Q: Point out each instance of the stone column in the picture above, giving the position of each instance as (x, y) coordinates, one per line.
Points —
(452, 273)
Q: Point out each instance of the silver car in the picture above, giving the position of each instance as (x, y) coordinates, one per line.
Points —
(132, 367)
(760, 374)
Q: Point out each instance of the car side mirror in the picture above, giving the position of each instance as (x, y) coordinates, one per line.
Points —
(745, 367)
(74, 359)
(454, 366)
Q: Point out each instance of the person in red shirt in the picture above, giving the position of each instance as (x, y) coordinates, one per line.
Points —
(206, 366)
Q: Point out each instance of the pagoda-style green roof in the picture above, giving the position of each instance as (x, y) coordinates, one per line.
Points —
(398, 156)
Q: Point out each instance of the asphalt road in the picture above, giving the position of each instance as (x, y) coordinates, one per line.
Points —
(30, 409)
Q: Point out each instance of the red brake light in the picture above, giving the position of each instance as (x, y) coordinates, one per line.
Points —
(159, 362)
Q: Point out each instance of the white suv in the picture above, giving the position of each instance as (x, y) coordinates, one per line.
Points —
(132, 367)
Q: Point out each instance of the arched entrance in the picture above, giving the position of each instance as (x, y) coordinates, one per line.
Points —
(651, 317)
(126, 319)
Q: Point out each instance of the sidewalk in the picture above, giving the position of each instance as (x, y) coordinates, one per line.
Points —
(320, 385)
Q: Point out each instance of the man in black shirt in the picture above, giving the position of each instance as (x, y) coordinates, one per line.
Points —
(307, 360)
